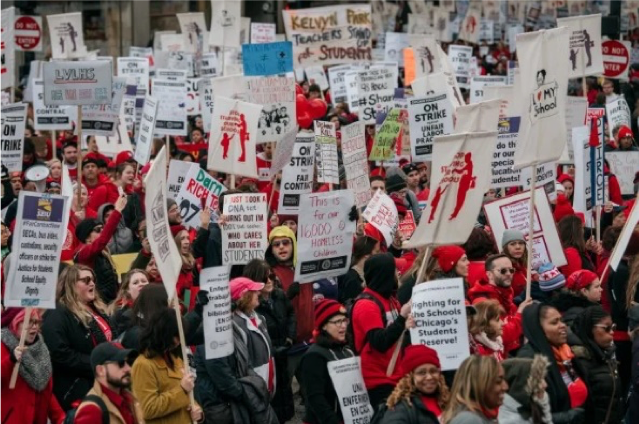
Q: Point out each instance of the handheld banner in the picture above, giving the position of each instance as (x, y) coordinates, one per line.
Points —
(585, 56)
(346, 375)
(429, 116)
(14, 120)
(326, 153)
(217, 316)
(381, 212)
(297, 175)
(355, 163)
(77, 83)
(144, 143)
(198, 190)
(171, 106)
(244, 237)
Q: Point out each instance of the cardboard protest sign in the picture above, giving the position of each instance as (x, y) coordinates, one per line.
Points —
(193, 27)
(460, 61)
(103, 119)
(297, 175)
(51, 117)
(144, 52)
(546, 176)
(440, 320)
(233, 136)
(137, 67)
(217, 316)
(276, 94)
(40, 232)
(198, 190)
(225, 23)
(14, 120)
(171, 106)
(329, 35)
(585, 55)
(178, 170)
(316, 75)
(429, 116)
(478, 83)
(346, 375)
(77, 83)
(386, 136)
(624, 165)
(7, 70)
(163, 247)
(544, 81)
(513, 212)
(326, 152)
(67, 36)
(355, 163)
(324, 235)
(144, 142)
(618, 114)
(267, 59)
(245, 236)
(381, 212)
(262, 33)
(460, 177)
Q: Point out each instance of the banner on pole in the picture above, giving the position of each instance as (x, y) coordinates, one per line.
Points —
(77, 83)
(67, 36)
(171, 106)
(585, 56)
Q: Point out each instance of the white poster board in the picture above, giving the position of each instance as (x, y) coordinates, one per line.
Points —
(67, 36)
(618, 114)
(624, 165)
(77, 83)
(297, 175)
(346, 375)
(262, 33)
(103, 119)
(171, 107)
(144, 142)
(50, 117)
(244, 237)
(276, 94)
(178, 170)
(199, 189)
(217, 317)
(326, 161)
(381, 213)
(460, 60)
(356, 163)
(14, 119)
(429, 116)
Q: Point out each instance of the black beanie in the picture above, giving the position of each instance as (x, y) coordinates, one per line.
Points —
(395, 183)
(85, 228)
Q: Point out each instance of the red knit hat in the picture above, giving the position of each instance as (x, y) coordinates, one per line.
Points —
(175, 229)
(325, 309)
(447, 256)
(562, 208)
(580, 279)
(416, 355)
(565, 177)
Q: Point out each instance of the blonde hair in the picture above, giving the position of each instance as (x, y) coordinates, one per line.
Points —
(405, 389)
(473, 380)
(431, 268)
(123, 294)
(67, 296)
(188, 258)
(487, 310)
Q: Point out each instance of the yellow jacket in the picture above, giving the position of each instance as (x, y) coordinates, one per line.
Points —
(157, 388)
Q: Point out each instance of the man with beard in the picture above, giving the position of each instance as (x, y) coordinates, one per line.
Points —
(70, 157)
(111, 365)
(497, 285)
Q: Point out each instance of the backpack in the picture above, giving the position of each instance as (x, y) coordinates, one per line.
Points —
(350, 305)
(70, 418)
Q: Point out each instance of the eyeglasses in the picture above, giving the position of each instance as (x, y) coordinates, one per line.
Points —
(35, 323)
(340, 322)
(86, 280)
(284, 243)
(97, 229)
(505, 271)
(607, 328)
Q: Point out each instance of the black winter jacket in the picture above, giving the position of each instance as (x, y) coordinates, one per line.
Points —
(208, 245)
(402, 413)
(349, 286)
(570, 305)
(280, 317)
(70, 344)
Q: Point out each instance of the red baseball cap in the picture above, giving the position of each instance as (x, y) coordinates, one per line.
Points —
(241, 285)
(624, 132)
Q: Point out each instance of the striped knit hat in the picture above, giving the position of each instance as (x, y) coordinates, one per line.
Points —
(550, 278)
(325, 309)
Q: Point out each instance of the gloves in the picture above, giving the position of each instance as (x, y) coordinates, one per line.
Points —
(293, 291)
(353, 215)
(574, 416)
(201, 299)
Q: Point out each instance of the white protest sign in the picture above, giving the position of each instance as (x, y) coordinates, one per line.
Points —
(470, 26)
(7, 70)
(487, 31)
(460, 60)
(50, 117)
(171, 74)
(513, 212)
(297, 175)
(40, 232)
(326, 152)
(199, 189)
(502, 163)
(624, 237)
(329, 35)
(127, 110)
(482, 116)
(618, 114)
(103, 119)
(376, 91)
(351, 86)
(77, 83)
(316, 75)
(178, 170)
(546, 176)
(205, 95)
(192, 96)
(14, 119)
(337, 83)
(396, 42)
(120, 142)
(624, 165)
(582, 195)
(67, 36)
(171, 107)
(209, 66)
(163, 247)
(585, 45)
(356, 163)
(429, 116)
(244, 237)
(193, 27)
(576, 108)
(144, 52)
(225, 23)
(181, 61)
(381, 212)
(144, 142)
(217, 316)
(324, 235)
(232, 140)
(137, 67)
(440, 320)
(262, 33)
(346, 375)
(478, 83)
(276, 94)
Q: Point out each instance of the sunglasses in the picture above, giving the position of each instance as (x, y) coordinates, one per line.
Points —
(607, 328)
(121, 363)
(86, 280)
(505, 271)
(279, 243)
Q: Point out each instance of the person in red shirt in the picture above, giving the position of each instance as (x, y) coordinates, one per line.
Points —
(111, 365)
(263, 160)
